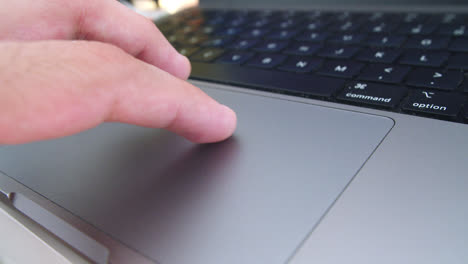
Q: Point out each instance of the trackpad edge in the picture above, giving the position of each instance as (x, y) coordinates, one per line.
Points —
(251, 199)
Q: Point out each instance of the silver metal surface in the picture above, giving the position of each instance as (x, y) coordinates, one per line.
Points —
(87, 246)
(26, 241)
(251, 199)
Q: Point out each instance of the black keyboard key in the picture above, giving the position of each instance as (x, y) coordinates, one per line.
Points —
(381, 95)
(347, 39)
(313, 36)
(260, 22)
(314, 25)
(271, 46)
(449, 18)
(303, 48)
(432, 43)
(236, 57)
(255, 33)
(458, 61)
(230, 31)
(209, 30)
(219, 42)
(338, 52)
(243, 44)
(215, 20)
(382, 56)
(188, 29)
(207, 55)
(266, 61)
(443, 104)
(384, 73)
(414, 18)
(187, 51)
(284, 34)
(195, 39)
(380, 27)
(422, 58)
(417, 29)
(346, 26)
(285, 24)
(236, 22)
(342, 69)
(300, 84)
(377, 16)
(437, 79)
(301, 64)
(454, 30)
(386, 41)
(176, 38)
(459, 45)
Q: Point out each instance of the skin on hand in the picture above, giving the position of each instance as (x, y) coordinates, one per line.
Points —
(125, 71)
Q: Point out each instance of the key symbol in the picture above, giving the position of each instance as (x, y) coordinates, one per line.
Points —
(347, 37)
(417, 29)
(236, 57)
(361, 86)
(428, 94)
(340, 68)
(301, 64)
(448, 18)
(312, 26)
(379, 54)
(375, 16)
(410, 17)
(207, 54)
(437, 75)
(346, 26)
(339, 52)
(378, 28)
(459, 31)
(426, 42)
(271, 46)
(267, 60)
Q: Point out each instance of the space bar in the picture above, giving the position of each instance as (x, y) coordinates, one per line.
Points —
(301, 84)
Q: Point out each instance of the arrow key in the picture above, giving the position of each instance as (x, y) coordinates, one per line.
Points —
(428, 78)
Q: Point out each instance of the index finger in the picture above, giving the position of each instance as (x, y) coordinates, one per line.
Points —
(101, 20)
(111, 22)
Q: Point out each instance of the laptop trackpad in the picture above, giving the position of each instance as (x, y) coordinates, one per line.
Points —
(251, 199)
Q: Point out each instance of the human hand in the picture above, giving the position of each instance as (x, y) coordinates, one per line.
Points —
(125, 71)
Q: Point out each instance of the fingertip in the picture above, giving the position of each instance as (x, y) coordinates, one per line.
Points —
(223, 125)
(229, 120)
(184, 66)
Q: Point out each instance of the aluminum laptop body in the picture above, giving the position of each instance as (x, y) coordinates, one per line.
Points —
(303, 179)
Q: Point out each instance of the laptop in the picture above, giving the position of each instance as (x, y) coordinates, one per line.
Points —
(351, 146)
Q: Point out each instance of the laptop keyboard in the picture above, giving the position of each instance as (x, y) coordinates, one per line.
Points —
(411, 63)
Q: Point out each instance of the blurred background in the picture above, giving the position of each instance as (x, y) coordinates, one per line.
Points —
(156, 9)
